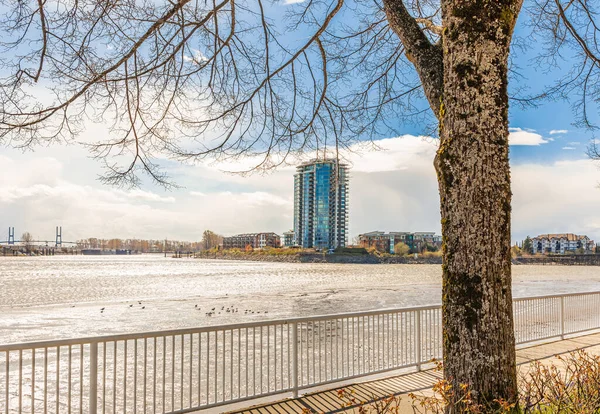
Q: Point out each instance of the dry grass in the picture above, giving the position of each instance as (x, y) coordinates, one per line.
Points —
(570, 386)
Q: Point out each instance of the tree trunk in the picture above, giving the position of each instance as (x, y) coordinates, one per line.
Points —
(474, 183)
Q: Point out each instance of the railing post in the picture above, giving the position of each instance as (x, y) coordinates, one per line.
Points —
(295, 359)
(93, 377)
(418, 344)
(562, 317)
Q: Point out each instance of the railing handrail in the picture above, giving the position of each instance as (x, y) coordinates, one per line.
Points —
(556, 295)
(202, 329)
(224, 327)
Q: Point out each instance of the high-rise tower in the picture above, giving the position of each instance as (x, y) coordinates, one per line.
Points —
(320, 204)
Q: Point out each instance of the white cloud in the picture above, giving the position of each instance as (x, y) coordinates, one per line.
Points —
(293, 1)
(15, 190)
(519, 136)
(146, 196)
(198, 57)
(390, 154)
(393, 189)
(558, 131)
(555, 198)
(252, 199)
(393, 154)
(14, 194)
(568, 148)
(84, 211)
(261, 198)
(36, 194)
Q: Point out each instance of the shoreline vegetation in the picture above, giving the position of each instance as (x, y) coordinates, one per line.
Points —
(370, 256)
(349, 255)
(344, 255)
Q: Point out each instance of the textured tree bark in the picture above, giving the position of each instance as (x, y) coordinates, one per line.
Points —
(464, 78)
(475, 197)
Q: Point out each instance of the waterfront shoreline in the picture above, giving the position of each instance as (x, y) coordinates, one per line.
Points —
(320, 258)
(570, 260)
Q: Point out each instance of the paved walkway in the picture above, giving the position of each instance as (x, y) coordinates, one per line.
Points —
(327, 401)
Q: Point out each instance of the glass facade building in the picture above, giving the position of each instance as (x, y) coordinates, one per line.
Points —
(320, 204)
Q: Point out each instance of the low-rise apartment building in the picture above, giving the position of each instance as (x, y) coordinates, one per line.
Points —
(561, 243)
(386, 242)
(288, 238)
(254, 240)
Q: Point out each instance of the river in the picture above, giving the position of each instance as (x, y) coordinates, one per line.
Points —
(64, 296)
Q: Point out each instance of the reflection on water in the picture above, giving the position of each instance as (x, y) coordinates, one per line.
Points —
(64, 296)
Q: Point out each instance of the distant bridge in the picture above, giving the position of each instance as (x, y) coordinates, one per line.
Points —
(36, 242)
(58, 241)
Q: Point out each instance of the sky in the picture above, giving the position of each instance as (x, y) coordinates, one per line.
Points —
(555, 187)
(393, 189)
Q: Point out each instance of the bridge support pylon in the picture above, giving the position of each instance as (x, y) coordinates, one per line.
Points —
(58, 236)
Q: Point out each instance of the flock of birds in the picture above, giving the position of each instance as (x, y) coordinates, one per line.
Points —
(211, 312)
(130, 306)
(228, 309)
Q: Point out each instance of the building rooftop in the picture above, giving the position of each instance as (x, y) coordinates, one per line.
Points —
(568, 236)
(252, 234)
(396, 233)
(322, 161)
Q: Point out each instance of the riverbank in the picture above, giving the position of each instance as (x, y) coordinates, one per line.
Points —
(315, 257)
(292, 256)
(561, 260)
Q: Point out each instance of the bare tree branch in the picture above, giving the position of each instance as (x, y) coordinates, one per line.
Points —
(220, 80)
(426, 57)
(430, 25)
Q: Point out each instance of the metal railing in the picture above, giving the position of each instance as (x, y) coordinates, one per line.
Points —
(185, 370)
